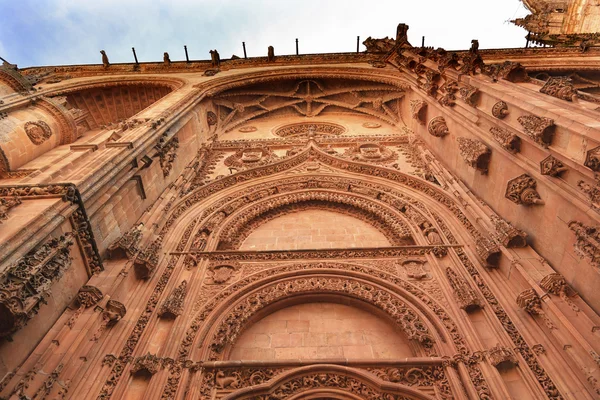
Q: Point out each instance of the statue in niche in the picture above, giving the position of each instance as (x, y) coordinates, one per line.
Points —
(200, 241)
(433, 237)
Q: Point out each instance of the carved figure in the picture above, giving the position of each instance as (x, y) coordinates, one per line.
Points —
(271, 54)
(105, 62)
(215, 58)
(166, 59)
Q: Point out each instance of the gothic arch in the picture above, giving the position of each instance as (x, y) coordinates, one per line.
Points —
(326, 379)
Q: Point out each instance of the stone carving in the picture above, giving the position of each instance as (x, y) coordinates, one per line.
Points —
(247, 129)
(521, 190)
(488, 251)
(560, 87)
(469, 94)
(502, 357)
(540, 129)
(211, 118)
(370, 152)
(418, 109)
(221, 274)
(38, 132)
(166, 59)
(557, 285)
(105, 62)
(552, 166)
(475, 153)
(509, 70)
(6, 203)
(466, 297)
(167, 152)
(507, 234)
(437, 127)
(82, 228)
(449, 88)
(379, 45)
(531, 302)
(25, 284)
(592, 192)
(371, 125)
(587, 244)
(414, 269)
(147, 260)
(173, 305)
(500, 110)
(149, 364)
(510, 141)
(303, 130)
(250, 157)
(270, 54)
(215, 58)
(113, 312)
(592, 159)
(126, 246)
(87, 297)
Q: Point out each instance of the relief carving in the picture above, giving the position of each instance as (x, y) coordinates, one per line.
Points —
(592, 192)
(148, 364)
(466, 297)
(540, 129)
(6, 203)
(510, 141)
(303, 130)
(414, 269)
(250, 157)
(126, 246)
(560, 87)
(173, 305)
(437, 127)
(500, 110)
(87, 297)
(587, 244)
(502, 357)
(418, 108)
(211, 118)
(370, 152)
(592, 159)
(147, 260)
(449, 94)
(509, 70)
(521, 190)
(552, 166)
(557, 285)
(475, 153)
(507, 234)
(26, 284)
(531, 302)
(113, 312)
(221, 274)
(38, 132)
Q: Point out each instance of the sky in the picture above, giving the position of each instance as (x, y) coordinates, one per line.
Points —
(63, 32)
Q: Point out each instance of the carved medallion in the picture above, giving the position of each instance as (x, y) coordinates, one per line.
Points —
(221, 273)
(521, 190)
(437, 127)
(500, 110)
(371, 125)
(38, 132)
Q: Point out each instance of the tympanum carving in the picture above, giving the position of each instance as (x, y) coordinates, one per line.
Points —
(521, 190)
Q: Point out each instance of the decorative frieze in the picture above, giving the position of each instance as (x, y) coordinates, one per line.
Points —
(418, 108)
(475, 153)
(303, 130)
(552, 166)
(437, 127)
(510, 141)
(557, 285)
(173, 305)
(126, 246)
(500, 110)
(38, 132)
(507, 234)
(540, 129)
(466, 297)
(587, 244)
(560, 87)
(531, 302)
(25, 284)
(521, 190)
(6, 203)
(502, 357)
(147, 260)
(592, 159)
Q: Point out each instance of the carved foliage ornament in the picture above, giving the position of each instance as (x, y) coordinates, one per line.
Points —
(38, 132)
(560, 87)
(126, 246)
(507, 234)
(501, 356)
(557, 285)
(437, 127)
(510, 141)
(475, 153)
(521, 190)
(540, 129)
(147, 260)
(552, 166)
(87, 297)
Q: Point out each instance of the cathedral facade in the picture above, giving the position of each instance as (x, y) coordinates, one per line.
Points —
(402, 223)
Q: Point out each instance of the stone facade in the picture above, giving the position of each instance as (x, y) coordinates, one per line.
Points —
(404, 223)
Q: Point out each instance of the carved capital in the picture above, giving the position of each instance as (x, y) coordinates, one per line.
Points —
(500, 110)
(521, 190)
(552, 166)
(437, 127)
(475, 153)
(540, 129)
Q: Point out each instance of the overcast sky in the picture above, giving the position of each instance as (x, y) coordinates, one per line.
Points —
(58, 32)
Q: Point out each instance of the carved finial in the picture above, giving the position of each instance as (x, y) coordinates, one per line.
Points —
(215, 58)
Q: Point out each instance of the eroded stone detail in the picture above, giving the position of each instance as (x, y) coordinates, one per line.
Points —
(521, 190)
(25, 284)
(173, 305)
(560, 87)
(552, 166)
(475, 153)
(531, 302)
(540, 129)
(510, 141)
(437, 127)
(38, 131)
(500, 110)
(466, 297)
(370, 152)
